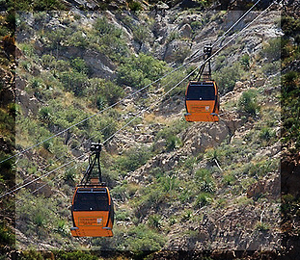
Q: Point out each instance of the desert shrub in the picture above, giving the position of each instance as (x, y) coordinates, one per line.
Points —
(134, 158)
(172, 36)
(227, 76)
(107, 92)
(245, 61)
(140, 34)
(248, 104)
(45, 114)
(262, 226)
(107, 38)
(173, 79)
(77, 39)
(173, 142)
(290, 83)
(103, 27)
(27, 49)
(139, 71)
(290, 25)
(6, 234)
(220, 62)
(154, 196)
(262, 168)
(56, 37)
(290, 108)
(31, 255)
(154, 221)
(143, 238)
(123, 215)
(196, 25)
(62, 65)
(134, 5)
(168, 183)
(46, 5)
(229, 179)
(266, 134)
(186, 195)
(271, 68)
(181, 54)
(205, 182)
(69, 176)
(173, 129)
(271, 50)
(48, 61)
(75, 82)
(202, 200)
(75, 256)
(79, 65)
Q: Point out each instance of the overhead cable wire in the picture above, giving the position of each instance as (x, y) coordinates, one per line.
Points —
(56, 160)
(98, 113)
(144, 110)
(119, 130)
(44, 175)
(240, 32)
(116, 103)
(105, 141)
(240, 19)
(20, 186)
(231, 27)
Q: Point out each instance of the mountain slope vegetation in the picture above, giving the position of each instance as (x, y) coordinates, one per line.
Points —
(181, 186)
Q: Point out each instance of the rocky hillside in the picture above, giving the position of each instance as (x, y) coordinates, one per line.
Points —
(177, 186)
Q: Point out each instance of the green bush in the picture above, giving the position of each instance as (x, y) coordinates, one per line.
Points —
(154, 221)
(271, 68)
(202, 200)
(272, 50)
(75, 256)
(134, 5)
(80, 65)
(173, 142)
(56, 37)
(266, 134)
(205, 182)
(248, 104)
(78, 39)
(173, 79)
(48, 61)
(196, 25)
(45, 114)
(143, 238)
(31, 255)
(75, 82)
(245, 61)
(134, 158)
(141, 34)
(262, 226)
(107, 92)
(227, 76)
(138, 72)
(262, 168)
(220, 62)
(107, 38)
(6, 234)
(229, 179)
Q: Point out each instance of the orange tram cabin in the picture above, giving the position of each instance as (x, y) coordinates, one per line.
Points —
(92, 205)
(202, 101)
(92, 212)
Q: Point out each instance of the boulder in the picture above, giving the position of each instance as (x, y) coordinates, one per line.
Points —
(186, 31)
(100, 64)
